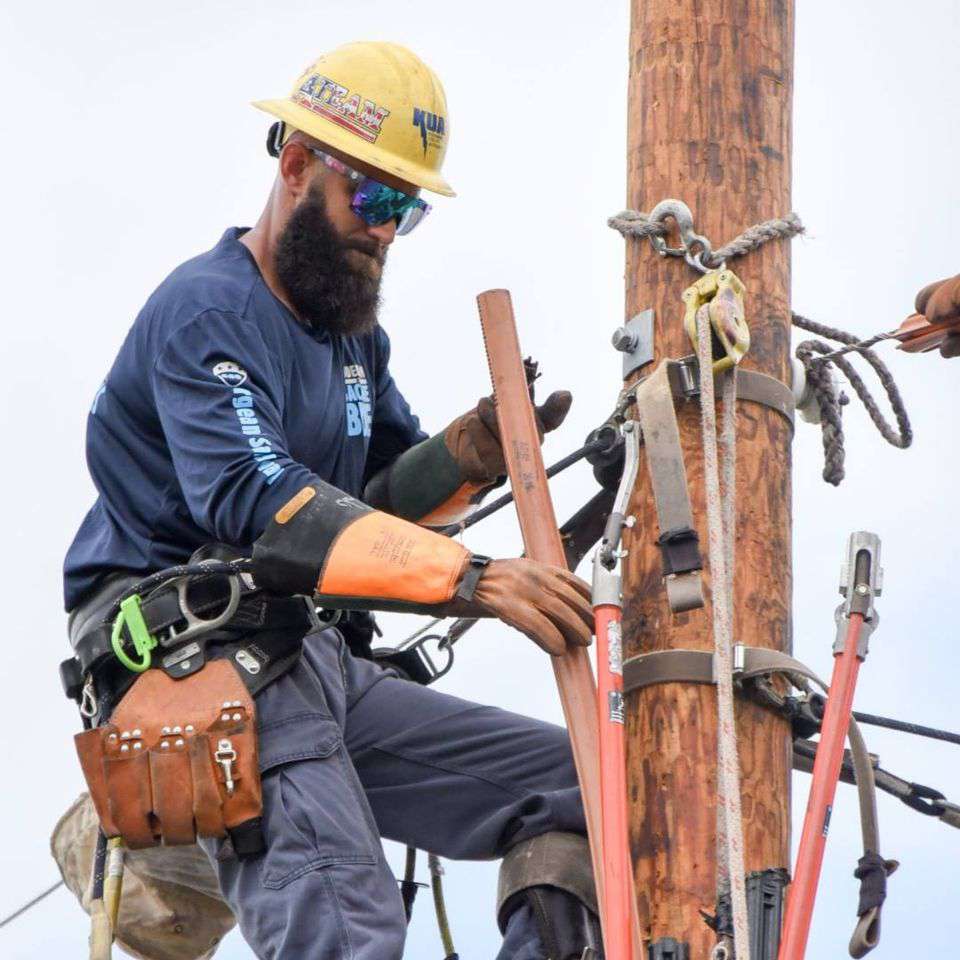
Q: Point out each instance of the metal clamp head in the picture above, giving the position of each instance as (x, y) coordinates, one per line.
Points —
(861, 576)
(609, 552)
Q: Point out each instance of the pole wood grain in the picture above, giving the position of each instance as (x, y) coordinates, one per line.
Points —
(710, 90)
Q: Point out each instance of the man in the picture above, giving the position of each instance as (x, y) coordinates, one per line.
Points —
(252, 405)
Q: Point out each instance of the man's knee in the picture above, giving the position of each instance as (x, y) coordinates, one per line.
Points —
(547, 886)
(331, 911)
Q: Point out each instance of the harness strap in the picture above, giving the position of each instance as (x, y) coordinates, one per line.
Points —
(682, 562)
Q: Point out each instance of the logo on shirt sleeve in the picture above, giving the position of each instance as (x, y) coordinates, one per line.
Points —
(230, 373)
(359, 409)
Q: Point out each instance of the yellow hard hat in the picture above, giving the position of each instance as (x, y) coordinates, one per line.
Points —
(376, 102)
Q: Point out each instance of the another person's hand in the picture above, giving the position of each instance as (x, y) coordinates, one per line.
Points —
(940, 303)
(474, 439)
(548, 604)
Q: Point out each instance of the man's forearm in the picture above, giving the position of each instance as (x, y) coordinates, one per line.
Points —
(426, 485)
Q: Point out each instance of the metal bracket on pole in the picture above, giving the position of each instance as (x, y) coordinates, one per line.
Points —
(635, 341)
(861, 581)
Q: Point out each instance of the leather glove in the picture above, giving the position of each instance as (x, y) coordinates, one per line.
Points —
(474, 439)
(548, 604)
(940, 303)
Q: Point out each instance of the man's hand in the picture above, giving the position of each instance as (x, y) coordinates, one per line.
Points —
(474, 439)
(940, 303)
(548, 604)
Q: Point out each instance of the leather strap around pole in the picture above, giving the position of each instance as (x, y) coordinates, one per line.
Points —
(696, 666)
(668, 666)
(752, 386)
(761, 388)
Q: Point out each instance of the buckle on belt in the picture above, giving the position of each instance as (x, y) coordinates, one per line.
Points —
(144, 642)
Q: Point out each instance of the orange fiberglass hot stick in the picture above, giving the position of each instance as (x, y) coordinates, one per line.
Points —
(856, 618)
(608, 611)
(541, 540)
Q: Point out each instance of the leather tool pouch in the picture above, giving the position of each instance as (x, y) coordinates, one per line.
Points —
(178, 760)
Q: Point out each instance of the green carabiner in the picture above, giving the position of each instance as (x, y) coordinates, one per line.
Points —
(131, 616)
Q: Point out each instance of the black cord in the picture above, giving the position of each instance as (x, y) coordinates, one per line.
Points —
(32, 903)
(818, 702)
(593, 446)
(905, 727)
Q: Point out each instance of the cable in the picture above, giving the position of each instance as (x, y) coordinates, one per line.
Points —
(905, 726)
(816, 703)
(592, 446)
(32, 903)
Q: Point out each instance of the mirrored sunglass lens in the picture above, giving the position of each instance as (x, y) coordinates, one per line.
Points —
(376, 203)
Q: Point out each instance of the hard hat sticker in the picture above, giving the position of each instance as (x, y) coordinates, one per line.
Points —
(432, 128)
(335, 102)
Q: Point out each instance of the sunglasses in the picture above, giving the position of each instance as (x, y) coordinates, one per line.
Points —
(374, 202)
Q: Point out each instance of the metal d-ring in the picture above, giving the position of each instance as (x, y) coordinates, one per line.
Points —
(198, 625)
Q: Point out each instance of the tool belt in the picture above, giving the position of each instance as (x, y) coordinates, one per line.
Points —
(174, 754)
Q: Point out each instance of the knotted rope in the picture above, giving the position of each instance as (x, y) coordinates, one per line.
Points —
(634, 223)
(814, 355)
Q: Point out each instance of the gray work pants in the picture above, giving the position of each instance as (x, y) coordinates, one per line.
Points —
(350, 753)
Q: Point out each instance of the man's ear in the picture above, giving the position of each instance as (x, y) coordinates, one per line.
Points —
(296, 168)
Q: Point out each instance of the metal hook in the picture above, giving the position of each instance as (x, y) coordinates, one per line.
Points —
(683, 217)
(88, 700)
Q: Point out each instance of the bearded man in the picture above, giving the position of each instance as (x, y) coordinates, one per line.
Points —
(252, 406)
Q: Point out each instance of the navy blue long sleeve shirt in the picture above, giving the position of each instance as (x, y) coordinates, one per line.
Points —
(219, 407)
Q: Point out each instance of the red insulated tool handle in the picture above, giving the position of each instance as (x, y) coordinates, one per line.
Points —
(826, 773)
(617, 866)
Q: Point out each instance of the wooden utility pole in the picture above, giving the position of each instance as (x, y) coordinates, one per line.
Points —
(710, 93)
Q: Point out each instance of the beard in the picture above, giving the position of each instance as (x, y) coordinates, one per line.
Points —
(332, 284)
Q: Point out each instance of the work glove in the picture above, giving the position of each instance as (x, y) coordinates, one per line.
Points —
(474, 438)
(940, 303)
(548, 604)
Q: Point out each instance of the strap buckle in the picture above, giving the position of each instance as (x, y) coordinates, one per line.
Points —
(470, 579)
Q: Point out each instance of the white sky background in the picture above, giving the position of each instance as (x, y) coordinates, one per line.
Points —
(130, 147)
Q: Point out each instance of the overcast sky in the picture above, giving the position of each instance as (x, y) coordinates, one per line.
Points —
(131, 146)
